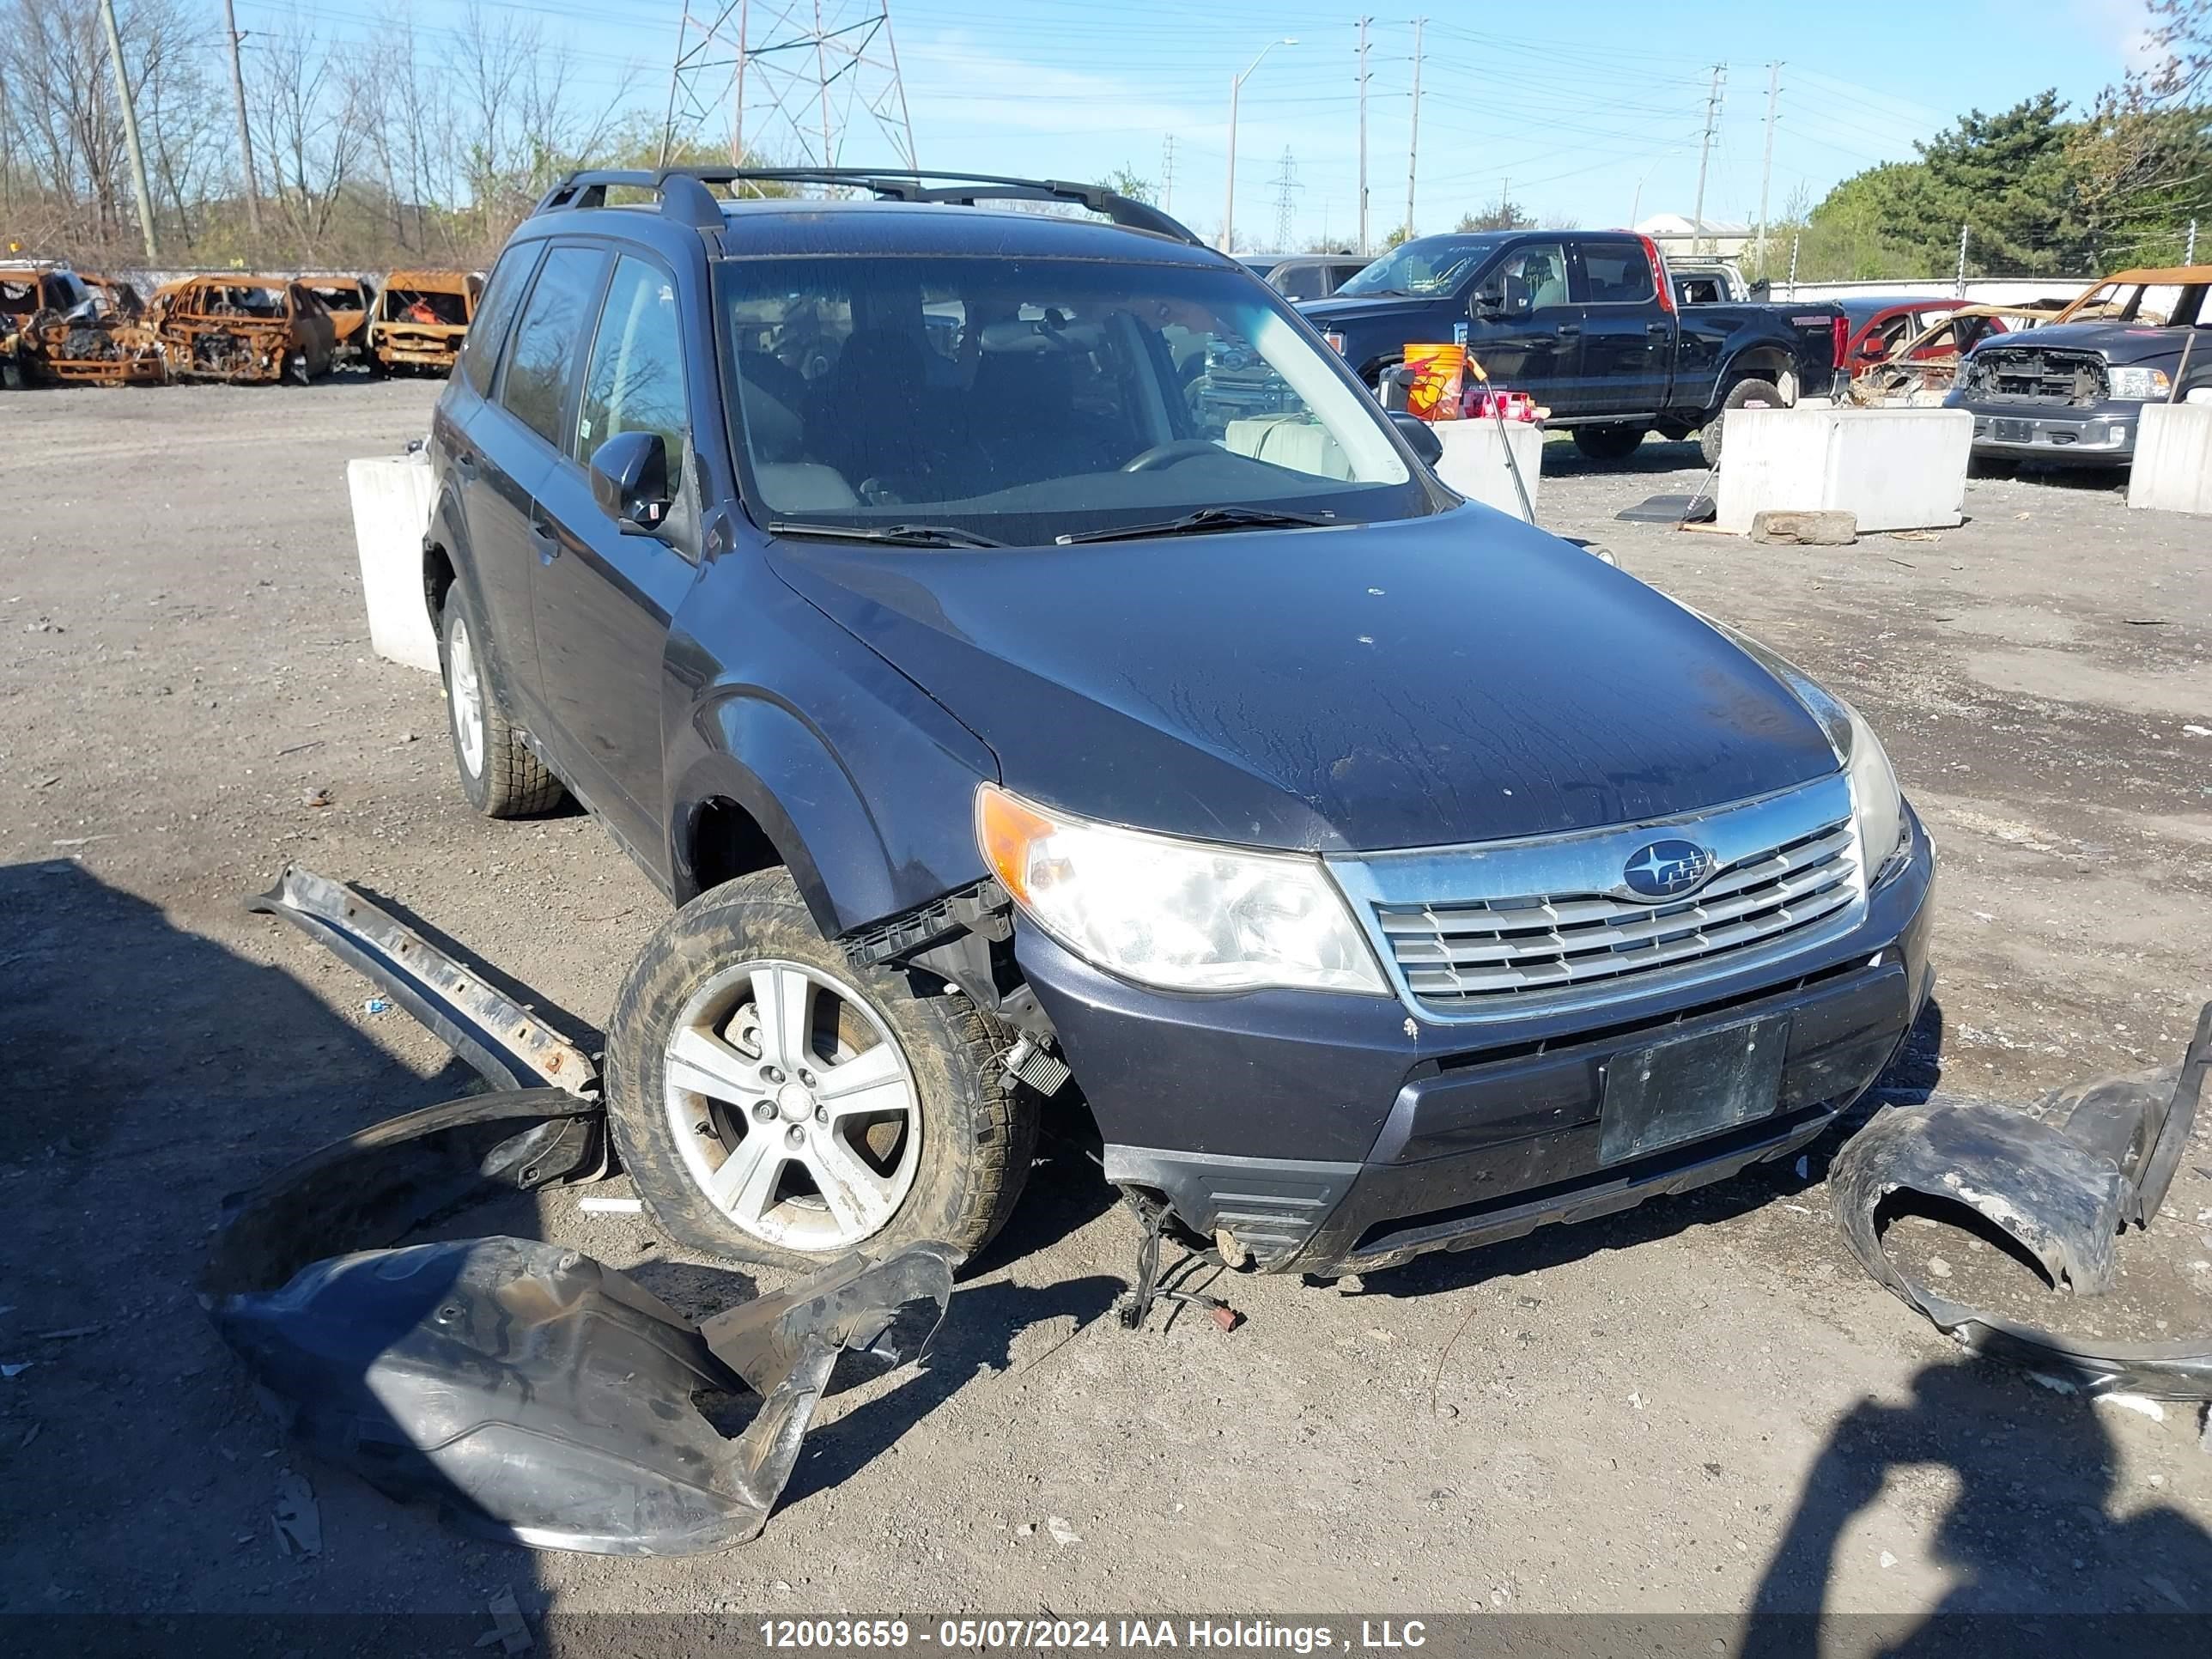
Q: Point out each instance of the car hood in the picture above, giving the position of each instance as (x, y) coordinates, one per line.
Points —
(2118, 342)
(1337, 312)
(1455, 679)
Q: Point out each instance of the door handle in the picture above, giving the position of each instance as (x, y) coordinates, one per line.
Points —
(1565, 330)
(465, 461)
(548, 543)
(1659, 330)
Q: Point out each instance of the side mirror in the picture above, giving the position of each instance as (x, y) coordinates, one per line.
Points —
(1421, 435)
(630, 481)
(1490, 301)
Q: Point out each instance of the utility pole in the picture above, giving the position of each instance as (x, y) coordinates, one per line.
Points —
(1413, 141)
(1766, 162)
(1962, 261)
(1167, 173)
(1795, 238)
(245, 132)
(131, 130)
(2189, 253)
(1705, 153)
(1363, 22)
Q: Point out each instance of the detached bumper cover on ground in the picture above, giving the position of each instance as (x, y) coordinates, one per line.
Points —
(2064, 1179)
(534, 1393)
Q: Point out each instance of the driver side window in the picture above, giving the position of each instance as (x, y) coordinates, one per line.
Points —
(1528, 280)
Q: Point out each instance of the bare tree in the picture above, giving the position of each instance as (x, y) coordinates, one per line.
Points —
(304, 103)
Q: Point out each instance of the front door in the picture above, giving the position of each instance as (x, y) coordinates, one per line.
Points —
(1523, 327)
(605, 599)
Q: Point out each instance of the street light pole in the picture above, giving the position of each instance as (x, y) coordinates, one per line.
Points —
(1229, 193)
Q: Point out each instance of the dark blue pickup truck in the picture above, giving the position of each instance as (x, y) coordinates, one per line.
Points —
(1585, 321)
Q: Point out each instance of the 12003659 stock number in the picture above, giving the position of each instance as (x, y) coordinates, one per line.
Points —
(838, 1635)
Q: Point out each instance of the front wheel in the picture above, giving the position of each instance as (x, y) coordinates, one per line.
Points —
(1744, 394)
(778, 1103)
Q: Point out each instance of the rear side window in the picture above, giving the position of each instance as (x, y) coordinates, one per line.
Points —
(635, 379)
(1303, 282)
(480, 348)
(1618, 272)
(541, 365)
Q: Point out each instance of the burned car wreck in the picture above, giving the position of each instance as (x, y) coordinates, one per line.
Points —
(244, 329)
(533, 1394)
(2064, 1180)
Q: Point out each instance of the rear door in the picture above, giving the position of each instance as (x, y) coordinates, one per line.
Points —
(604, 600)
(1628, 334)
(516, 435)
(1524, 326)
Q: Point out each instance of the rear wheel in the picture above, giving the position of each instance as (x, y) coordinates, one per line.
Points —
(1608, 443)
(500, 776)
(777, 1103)
(1744, 394)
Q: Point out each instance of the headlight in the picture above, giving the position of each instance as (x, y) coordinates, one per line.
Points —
(2138, 385)
(1179, 915)
(1877, 803)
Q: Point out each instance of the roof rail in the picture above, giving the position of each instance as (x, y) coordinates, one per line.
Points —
(683, 194)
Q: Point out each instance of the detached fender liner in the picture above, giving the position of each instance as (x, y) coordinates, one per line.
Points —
(534, 1395)
(2064, 1179)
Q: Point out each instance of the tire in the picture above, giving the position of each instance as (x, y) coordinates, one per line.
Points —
(11, 377)
(500, 776)
(1743, 394)
(943, 1154)
(1608, 443)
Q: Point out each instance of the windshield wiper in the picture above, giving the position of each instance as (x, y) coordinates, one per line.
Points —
(1206, 518)
(902, 535)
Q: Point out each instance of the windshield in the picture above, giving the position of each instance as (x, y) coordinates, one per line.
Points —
(1023, 400)
(1428, 265)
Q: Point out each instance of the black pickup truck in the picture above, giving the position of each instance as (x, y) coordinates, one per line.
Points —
(1587, 322)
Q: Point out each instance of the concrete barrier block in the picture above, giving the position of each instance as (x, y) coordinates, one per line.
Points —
(2172, 468)
(1473, 461)
(391, 513)
(1891, 469)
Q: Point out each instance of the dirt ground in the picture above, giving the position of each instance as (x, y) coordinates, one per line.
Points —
(1702, 1406)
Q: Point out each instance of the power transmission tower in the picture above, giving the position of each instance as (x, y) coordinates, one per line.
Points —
(231, 38)
(1286, 189)
(1705, 151)
(1363, 22)
(1167, 174)
(800, 78)
(1766, 163)
(1414, 141)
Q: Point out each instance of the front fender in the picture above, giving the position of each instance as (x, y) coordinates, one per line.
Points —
(864, 785)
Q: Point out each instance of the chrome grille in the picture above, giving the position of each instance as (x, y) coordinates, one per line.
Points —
(1461, 953)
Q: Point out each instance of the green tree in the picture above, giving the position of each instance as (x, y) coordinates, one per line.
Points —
(1125, 180)
(2143, 161)
(2006, 177)
(1500, 216)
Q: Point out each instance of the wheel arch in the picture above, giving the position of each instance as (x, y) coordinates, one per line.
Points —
(768, 790)
(1763, 360)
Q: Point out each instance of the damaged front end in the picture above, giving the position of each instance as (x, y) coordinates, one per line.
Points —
(532, 1393)
(2063, 1180)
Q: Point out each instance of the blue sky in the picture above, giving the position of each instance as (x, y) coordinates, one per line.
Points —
(1590, 111)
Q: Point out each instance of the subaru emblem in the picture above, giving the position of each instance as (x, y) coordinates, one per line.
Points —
(1667, 869)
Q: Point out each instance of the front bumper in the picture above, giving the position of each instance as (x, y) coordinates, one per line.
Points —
(2100, 434)
(1336, 1134)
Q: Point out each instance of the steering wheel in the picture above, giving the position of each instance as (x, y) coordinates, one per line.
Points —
(1162, 456)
